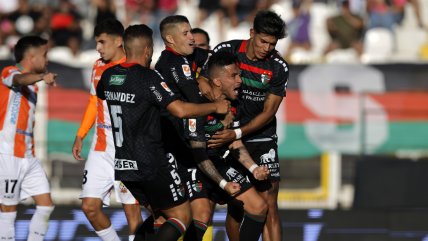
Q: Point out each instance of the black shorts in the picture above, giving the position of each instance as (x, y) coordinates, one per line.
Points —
(231, 173)
(165, 191)
(265, 154)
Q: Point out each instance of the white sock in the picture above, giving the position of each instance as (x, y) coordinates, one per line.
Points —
(39, 223)
(7, 224)
(108, 234)
(131, 237)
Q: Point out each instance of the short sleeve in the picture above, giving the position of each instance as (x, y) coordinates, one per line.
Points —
(160, 93)
(7, 75)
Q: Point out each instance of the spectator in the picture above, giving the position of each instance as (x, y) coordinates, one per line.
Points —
(398, 7)
(65, 24)
(298, 27)
(202, 39)
(345, 30)
(380, 15)
(106, 9)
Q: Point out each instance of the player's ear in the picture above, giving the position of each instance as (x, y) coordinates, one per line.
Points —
(118, 42)
(252, 33)
(217, 82)
(169, 38)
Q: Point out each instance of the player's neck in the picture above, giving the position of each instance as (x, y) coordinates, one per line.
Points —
(118, 56)
(249, 51)
(218, 95)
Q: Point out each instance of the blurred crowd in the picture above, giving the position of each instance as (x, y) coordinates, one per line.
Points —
(69, 23)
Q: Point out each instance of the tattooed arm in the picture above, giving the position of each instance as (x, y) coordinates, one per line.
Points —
(241, 154)
(208, 168)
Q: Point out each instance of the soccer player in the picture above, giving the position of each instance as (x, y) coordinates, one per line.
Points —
(134, 95)
(178, 64)
(202, 39)
(225, 82)
(98, 175)
(21, 174)
(265, 75)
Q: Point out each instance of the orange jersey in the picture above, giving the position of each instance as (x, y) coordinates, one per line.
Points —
(103, 135)
(17, 110)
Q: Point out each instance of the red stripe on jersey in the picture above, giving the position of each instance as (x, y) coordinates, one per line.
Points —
(4, 98)
(194, 67)
(102, 140)
(24, 108)
(243, 47)
(255, 69)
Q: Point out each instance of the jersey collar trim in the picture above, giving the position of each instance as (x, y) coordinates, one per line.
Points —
(127, 65)
(172, 51)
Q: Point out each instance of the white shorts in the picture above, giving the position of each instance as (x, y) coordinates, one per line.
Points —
(21, 178)
(98, 179)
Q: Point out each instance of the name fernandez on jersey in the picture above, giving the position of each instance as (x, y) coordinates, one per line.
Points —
(120, 96)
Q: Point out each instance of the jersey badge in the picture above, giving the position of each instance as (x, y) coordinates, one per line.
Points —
(186, 70)
(265, 78)
(165, 86)
(192, 125)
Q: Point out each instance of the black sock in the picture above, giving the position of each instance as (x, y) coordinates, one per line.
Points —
(196, 231)
(251, 227)
(171, 230)
(145, 231)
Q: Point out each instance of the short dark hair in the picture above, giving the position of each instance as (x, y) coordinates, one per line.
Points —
(269, 23)
(26, 43)
(109, 26)
(219, 60)
(136, 31)
(201, 31)
(173, 19)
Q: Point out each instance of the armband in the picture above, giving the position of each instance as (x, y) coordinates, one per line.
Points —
(238, 133)
(222, 184)
(252, 168)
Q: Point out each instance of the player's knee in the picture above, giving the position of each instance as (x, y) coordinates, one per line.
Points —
(258, 207)
(90, 208)
(203, 215)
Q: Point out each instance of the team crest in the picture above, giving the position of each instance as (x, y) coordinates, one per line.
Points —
(265, 78)
(192, 125)
(197, 187)
(122, 188)
(186, 70)
(165, 86)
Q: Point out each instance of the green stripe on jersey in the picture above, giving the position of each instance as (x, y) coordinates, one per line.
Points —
(255, 84)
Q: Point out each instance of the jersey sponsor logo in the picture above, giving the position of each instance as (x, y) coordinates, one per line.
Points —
(165, 86)
(175, 75)
(268, 157)
(117, 79)
(156, 93)
(123, 164)
(186, 70)
(231, 173)
(120, 96)
(192, 125)
(16, 103)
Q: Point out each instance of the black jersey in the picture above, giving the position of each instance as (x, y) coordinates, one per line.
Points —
(135, 95)
(180, 73)
(259, 78)
(213, 124)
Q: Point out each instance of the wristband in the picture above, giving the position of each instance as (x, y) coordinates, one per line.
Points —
(252, 168)
(238, 133)
(222, 184)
